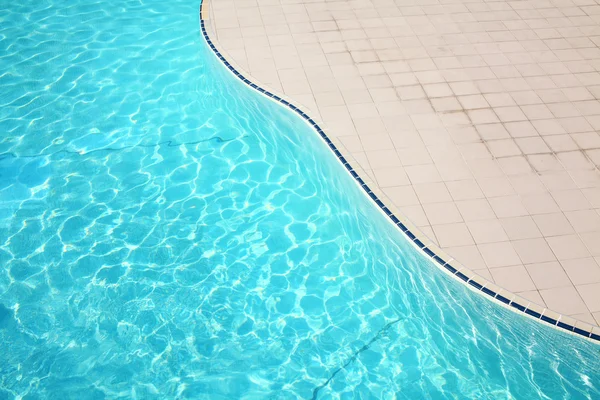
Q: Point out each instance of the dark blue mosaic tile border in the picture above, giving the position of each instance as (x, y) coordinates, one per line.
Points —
(514, 305)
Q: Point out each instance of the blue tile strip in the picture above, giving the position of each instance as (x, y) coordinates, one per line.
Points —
(515, 306)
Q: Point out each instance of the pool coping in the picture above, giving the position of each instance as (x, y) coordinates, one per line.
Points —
(446, 263)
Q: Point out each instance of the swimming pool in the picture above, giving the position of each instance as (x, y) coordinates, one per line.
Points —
(169, 233)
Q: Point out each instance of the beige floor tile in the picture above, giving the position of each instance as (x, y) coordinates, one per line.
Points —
(548, 275)
(532, 145)
(415, 214)
(541, 203)
(467, 254)
(432, 192)
(392, 176)
(520, 228)
(592, 241)
(545, 162)
(533, 296)
(584, 220)
(514, 279)
(442, 213)
(527, 184)
(383, 159)
(487, 231)
(558, 181)
(574, 160)
(376, 142)
(475, 210)
(559, 143)
(571, 200)
(508, 206)
(485, 274)
(582, 271)
(567, 247)
(496, 186)
(465, 189)
(517, 165)
(402, 195)
(503, 148)
(492, 131)
(450, 235)
(415, 155)
(522, 129)
(423, 174)
(499, 254)
(588, 318)
(564, 300)
(553, 224)
(533, 250)
(591, 295)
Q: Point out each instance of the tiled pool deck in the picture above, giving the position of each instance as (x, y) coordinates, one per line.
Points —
(477, 120)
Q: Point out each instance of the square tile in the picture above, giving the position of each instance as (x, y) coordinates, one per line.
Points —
(442, 213)
(527, 184)
(492, 131)
(488, 231)
(548, 275)
(590, 294)
(423, 174)
(484, 116)
(416, 215)
(468, 256)
(500, 254)
(545, 162)
(503, 148)
(520, 228)
(474, 150)
(521, 129)
(592, 241)
(557, 181)
(451, 235)
(532, 145)
(532, 296)
(393, 176)
(571, 200)
(515, 165)
(533, 250)
(438, 90)
(510, 114)
(553, 224)
(539, 203)
(582, 271)
(564, 300)
(559, 143)
(432, 192)
(484, 168)
(383, 159)
(464, 189)
(475, 209)
(584, 220)
(508, 206)
(513, 279)
(567, 246)
(574, 160)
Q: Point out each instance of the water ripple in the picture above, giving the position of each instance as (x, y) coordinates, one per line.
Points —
(143, 257)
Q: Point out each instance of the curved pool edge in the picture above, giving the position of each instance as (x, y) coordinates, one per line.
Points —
(446, 263)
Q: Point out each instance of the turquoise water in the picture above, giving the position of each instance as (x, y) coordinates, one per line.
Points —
(165, 232)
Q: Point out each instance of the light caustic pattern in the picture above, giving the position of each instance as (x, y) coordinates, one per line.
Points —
(166, 232)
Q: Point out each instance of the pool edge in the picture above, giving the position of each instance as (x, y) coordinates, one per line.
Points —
(451, 267)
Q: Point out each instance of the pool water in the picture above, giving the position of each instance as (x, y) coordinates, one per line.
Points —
(166, 232)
